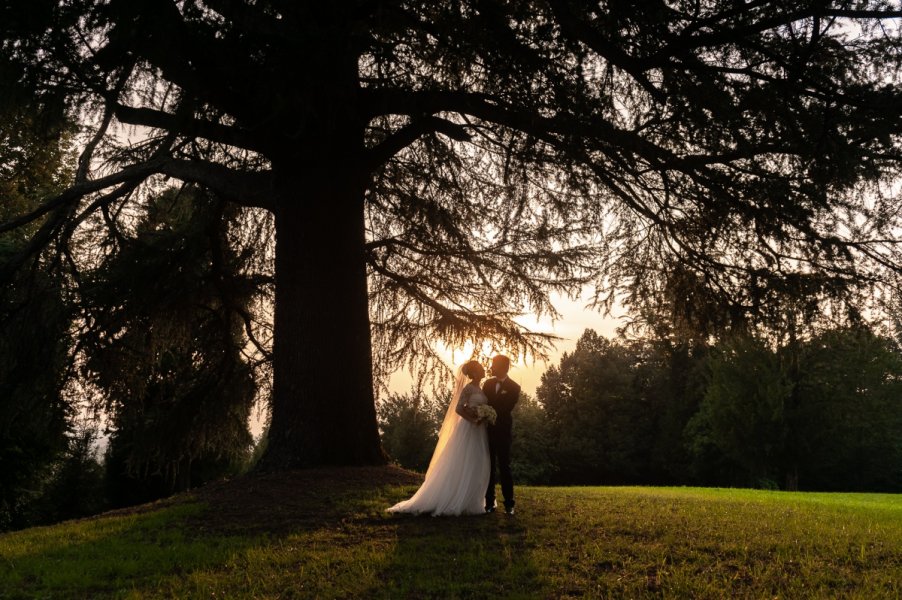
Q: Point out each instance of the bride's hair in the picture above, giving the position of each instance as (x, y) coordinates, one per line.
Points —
(470, 368)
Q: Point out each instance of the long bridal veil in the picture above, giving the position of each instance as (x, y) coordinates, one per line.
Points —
(452, 419)
(458, 473)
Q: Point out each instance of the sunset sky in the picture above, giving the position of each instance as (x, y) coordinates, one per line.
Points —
(575, 319)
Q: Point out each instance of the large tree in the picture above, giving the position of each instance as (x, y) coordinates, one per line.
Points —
(434, 168)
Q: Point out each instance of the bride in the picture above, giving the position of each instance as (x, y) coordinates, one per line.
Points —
(458, 473)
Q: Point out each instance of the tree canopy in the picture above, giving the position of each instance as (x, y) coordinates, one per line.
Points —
(434, 169)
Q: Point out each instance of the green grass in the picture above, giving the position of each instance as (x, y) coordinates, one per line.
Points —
(318, 539)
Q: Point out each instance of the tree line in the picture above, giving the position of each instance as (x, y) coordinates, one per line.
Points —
(824, 413)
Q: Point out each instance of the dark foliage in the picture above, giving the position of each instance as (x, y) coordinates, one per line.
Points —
(824, 415)
(35, 311)
(163, 344)
(34, 346)
(409, 424)
(77, 486)
(533, 459)
(456, 161)
(821, 415)
(608, 406)
(851, 412)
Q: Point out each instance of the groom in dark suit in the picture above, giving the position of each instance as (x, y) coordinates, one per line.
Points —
(502, 394)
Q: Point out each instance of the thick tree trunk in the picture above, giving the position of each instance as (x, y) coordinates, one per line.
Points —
(323, 409)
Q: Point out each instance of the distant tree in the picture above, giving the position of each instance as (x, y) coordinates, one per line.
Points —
(410, 424)
(821, 413)
(34, 345)
(434, 167)
(163, 343)
(533, 447)
(851, 390)
(676, 383)
(740, 435)
(76, 486)
(598, 407)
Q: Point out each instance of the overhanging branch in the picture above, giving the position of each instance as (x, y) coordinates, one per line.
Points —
(80, 190)
(244, 188)
(407, 135)
(557, 130)
(186, 126)
(574, 27)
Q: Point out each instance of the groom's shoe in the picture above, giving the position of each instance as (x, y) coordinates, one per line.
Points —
(509, 510)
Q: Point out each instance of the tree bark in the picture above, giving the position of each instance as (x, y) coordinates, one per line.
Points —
(323, 410)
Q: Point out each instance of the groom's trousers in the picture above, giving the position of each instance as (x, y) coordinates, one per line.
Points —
(500, 453)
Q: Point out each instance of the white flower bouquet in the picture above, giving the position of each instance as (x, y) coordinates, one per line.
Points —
(484, 412)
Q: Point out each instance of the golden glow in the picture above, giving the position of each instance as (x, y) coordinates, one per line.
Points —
(458, 356)
(575, 319)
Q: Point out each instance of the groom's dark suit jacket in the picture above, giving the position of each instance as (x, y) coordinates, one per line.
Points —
(503, 401)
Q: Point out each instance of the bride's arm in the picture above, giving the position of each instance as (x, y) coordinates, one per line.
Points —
(462, 409)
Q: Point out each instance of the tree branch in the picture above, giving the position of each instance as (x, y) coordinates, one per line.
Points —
(251, 19)
(685, 43)
(556, 129)
(579, 30)
(187, 126)
(407, 135)
(84, 161)
(80, 190)
(246, 188)
(156, 31)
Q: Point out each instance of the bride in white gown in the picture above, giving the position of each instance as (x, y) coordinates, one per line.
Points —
(458, 473)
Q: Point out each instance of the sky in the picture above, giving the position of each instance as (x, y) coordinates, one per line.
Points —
(574, 320)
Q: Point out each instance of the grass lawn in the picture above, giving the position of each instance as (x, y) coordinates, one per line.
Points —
(325, 534)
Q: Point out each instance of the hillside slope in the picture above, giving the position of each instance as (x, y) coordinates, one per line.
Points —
(325, 534)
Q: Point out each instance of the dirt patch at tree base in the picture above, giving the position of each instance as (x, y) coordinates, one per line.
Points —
(278, 502)
(290, 500)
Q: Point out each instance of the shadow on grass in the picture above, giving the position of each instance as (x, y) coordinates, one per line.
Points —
(454, 557)
(305, 534)
(107, 556)
(210, 534)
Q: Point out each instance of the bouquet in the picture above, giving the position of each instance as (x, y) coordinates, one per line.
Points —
(484, 412)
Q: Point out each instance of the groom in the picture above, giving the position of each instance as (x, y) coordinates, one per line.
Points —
(502, 393)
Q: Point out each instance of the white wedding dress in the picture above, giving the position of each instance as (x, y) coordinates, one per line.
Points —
(458, 473)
